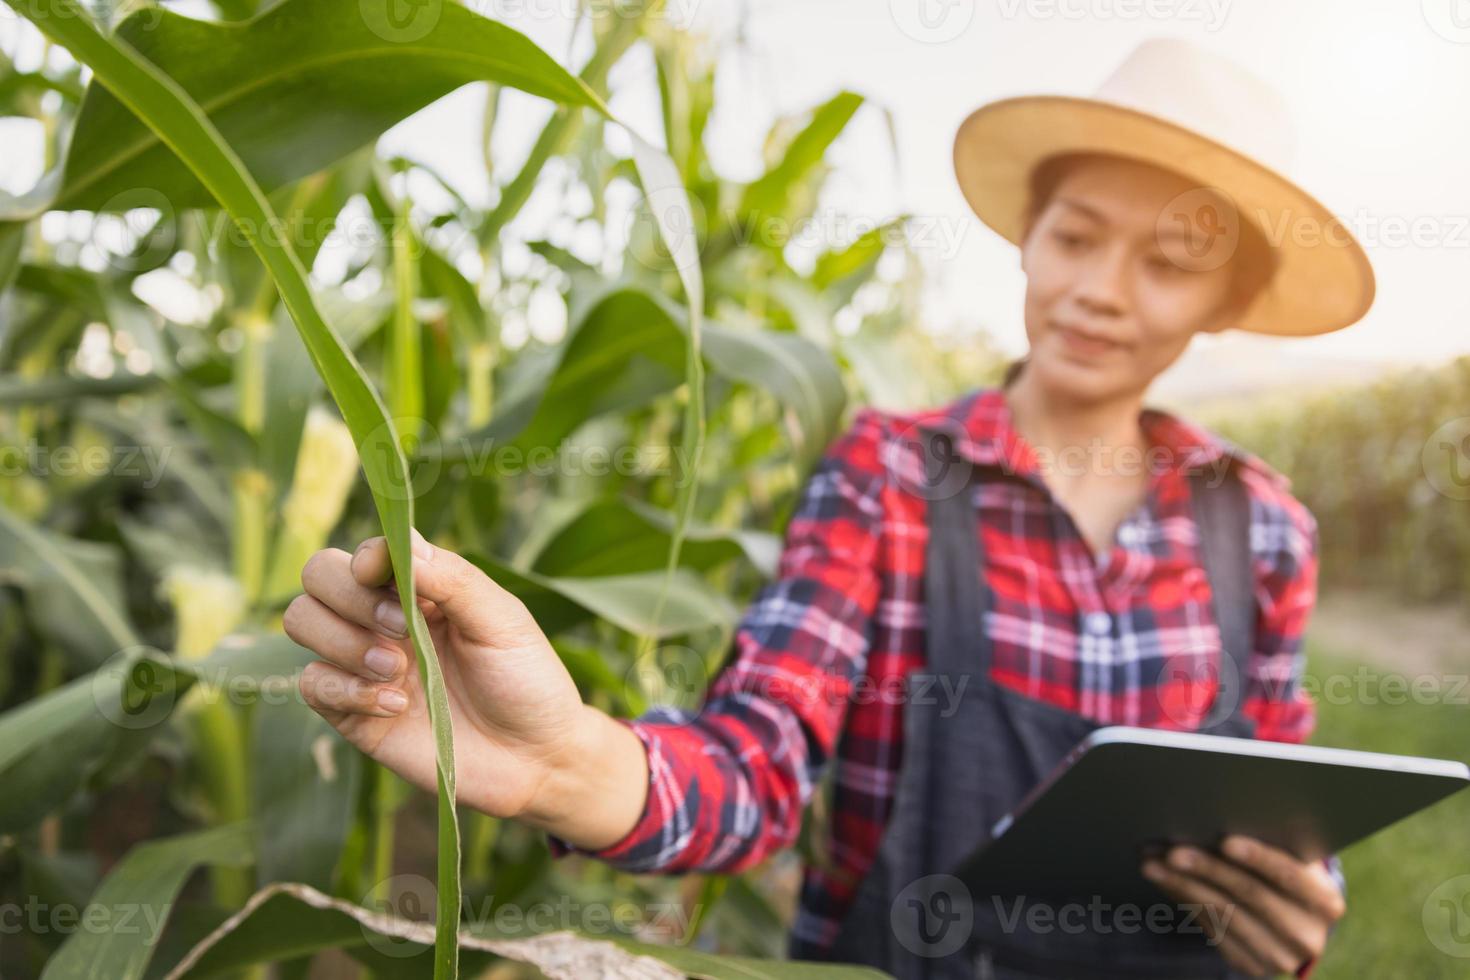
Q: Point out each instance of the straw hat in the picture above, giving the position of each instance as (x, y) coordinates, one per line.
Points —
(1177, 105)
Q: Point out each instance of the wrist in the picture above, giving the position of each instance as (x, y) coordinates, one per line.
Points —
(594, 792)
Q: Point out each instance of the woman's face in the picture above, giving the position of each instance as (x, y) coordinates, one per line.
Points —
(1107, 308)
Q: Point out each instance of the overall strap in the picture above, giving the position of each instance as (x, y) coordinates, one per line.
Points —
(955, 597)
(1222, 510)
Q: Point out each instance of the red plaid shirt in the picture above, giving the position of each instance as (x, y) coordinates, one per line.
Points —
(820, 655)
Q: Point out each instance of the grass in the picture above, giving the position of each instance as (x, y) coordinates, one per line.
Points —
(1391, 875)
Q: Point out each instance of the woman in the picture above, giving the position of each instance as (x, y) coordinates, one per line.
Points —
(1055, 554)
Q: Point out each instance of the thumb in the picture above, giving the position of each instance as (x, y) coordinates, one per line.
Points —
(471, 601)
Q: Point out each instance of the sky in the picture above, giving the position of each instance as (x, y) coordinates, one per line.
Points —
(1377, 88)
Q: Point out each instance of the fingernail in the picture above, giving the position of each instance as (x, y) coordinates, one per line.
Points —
(1182, 857)
(418, 545)
(389, 615)
(1237, 847)
(1152, 871)
(394, 701)
(383, 663)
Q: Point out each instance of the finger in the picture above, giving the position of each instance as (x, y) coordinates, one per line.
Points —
(328, 577)
(1224, 918)
(1307, 882)
(371, 565)
(1295, 925)
(473, 602)
(330, 689)
(1238, 955)
(312, 624)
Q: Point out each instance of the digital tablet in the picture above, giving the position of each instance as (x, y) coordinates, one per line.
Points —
(1124, 792)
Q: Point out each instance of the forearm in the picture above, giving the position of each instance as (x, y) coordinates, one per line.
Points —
(594, 795)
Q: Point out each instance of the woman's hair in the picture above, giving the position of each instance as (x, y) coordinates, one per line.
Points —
(1252, 264)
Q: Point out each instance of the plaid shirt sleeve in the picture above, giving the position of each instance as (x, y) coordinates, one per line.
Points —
(1285, 551)
(1286, 595)
(727, 785)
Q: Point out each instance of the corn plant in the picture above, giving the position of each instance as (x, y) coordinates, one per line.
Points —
(1383, 466)
(626, 476)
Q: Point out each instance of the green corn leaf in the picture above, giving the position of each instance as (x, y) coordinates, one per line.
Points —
(613, 536)
(771, 195)
(630, 346)
(306, 783)
(183, 127)
(50, 745)
(75, 587)
(143, 887)
(335, 75)
(649, 604)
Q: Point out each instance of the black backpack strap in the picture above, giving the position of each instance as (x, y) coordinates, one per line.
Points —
(1222, 510)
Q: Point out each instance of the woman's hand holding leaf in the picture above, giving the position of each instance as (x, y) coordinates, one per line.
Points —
(527, 747)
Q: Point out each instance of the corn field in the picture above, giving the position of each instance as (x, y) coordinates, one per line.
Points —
(233, 332)
(1382, 468)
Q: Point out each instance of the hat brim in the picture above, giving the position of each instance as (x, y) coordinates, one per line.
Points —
(1323, 280)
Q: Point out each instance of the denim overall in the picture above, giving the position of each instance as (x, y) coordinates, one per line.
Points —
(969, 759)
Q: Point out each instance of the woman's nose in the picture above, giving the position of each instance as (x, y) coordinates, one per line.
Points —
(1103, 286)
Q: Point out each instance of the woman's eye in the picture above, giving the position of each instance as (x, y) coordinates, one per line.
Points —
(1069, 239)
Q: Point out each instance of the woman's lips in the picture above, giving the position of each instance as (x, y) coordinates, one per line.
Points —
(1088, 344)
